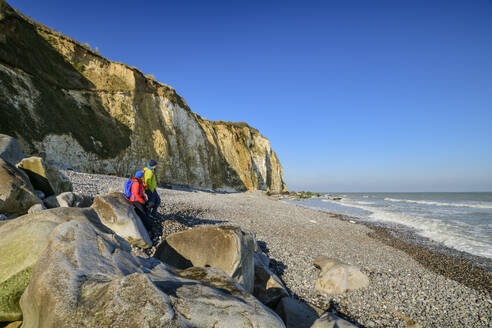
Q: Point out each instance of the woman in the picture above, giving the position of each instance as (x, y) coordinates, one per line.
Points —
(137, 198)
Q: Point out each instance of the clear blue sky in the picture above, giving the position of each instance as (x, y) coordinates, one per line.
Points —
(354, 95)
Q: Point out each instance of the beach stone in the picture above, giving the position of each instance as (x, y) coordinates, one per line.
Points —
(22, 240)
(225, 247)
(68, 199)
(16, 192)
(40, 194)
(44, 176)
(118, 214)
(295, 314)
(84, 278)
(268, 287)
(331, 320)
(10, 149)
(36, 208)
(336, 277)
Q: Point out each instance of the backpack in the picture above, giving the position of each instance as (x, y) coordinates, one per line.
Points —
(128, 187)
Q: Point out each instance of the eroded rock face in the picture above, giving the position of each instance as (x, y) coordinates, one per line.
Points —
(86, 279)
(67, 90)
(43, 176)
(336, 277)
(21, 242)
(119, 215)
(224, 247)
(10, 149)
(17, 194)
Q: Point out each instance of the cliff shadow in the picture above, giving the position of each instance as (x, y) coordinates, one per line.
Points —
(30, 65)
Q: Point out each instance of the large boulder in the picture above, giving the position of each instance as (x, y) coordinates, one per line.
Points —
(119, 215)
(68, 199)
(295, 313)
(268, 287)
(21, 242)
(16, 192)
(224, 247)
(10, 150)
(331, 320)
(84, 278)
(336, 277)
(44, 176)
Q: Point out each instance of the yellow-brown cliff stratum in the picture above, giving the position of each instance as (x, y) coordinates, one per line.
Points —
(64, 101)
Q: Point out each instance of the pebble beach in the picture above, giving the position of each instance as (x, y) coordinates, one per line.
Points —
(410, 285)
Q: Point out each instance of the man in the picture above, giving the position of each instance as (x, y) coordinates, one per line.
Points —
(137, 198)
(150, 182)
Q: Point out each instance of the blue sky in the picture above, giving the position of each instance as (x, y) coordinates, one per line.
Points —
(354, 95)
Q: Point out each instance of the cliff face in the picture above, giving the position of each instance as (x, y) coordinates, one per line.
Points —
(64, 101)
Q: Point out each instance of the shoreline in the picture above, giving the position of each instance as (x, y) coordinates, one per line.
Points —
(471, 270)
(468, 269)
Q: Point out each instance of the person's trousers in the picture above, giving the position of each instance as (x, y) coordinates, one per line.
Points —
(142, 213)
(154, 200)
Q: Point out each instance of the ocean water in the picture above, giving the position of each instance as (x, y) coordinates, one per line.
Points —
(462, 221)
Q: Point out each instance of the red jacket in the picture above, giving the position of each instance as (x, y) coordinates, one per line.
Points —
(137, 191)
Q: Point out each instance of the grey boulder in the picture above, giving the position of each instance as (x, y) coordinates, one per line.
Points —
(224, 247)
(84, 278)
(10, 150)
(336, 277)
(68, 199)
(119, 215)
(17, 194)
(331, 320)
(268, 287)
(21, 242)
(295, 313)
(44, 176)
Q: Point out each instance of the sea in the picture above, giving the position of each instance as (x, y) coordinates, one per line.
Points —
(462, 221)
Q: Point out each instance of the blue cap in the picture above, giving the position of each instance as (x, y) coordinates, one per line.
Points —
(152, 162)
(139, 174)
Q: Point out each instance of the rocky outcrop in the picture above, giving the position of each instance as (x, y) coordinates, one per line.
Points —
(43, 176)
(224, 247)
(21, 242)
(336, 277)
(16, 192)
(119, 215)
(85, 279)
(80, 109)
(10, 149)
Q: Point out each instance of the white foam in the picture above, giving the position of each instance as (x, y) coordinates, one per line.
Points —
(425, 202)
(436, 230)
